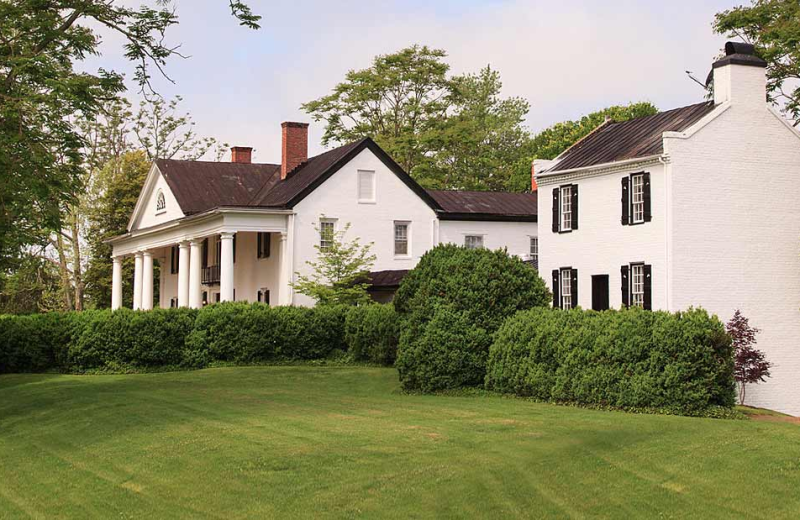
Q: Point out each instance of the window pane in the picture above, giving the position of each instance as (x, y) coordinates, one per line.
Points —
(326, 233)
(566, 289)
(401, 238)
(637, 198)
(473, 241)
(566, 208)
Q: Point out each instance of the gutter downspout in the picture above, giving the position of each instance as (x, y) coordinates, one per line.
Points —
(664, 160)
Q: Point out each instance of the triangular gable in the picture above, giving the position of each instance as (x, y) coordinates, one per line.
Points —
(148, 212)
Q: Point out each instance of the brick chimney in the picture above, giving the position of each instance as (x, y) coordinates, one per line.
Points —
(740, 77)
(534, 187)
(241, 154)
(294, 147)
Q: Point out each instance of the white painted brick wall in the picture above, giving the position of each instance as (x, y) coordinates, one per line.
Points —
(514, 236)
(601, 244)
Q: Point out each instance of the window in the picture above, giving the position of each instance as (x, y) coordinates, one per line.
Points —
(566, 208)
(637, 285)
(401, 238)
(263, 296)
(264, 245)
(174, 262)
(161, 202)
(565, 288)
(366, 186)
(534, 252)
(473, 241)
(637, 198)
(173, 302)
(327, 233)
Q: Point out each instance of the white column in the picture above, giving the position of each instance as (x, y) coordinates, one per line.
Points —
(286, 291)
(147, 281)
(183, 274)
(195, 274)
(116, 283)
(137, 281)
(226, 268)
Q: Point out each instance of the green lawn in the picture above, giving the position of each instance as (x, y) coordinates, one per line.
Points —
(305, 441)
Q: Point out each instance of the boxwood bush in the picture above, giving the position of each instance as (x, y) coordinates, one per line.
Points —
(476, 289)
(371, 333)
(36, 342)
(626, 359)
(246, 333)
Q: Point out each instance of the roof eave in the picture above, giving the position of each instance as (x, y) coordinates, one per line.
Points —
(602, 166)
(487, 217)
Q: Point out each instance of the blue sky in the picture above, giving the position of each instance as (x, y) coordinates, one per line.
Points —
(567, 58)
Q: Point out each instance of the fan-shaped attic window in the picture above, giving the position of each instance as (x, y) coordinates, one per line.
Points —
(161, 202)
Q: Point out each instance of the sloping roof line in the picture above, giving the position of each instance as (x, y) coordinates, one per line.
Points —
(478, 205)
(640, 137)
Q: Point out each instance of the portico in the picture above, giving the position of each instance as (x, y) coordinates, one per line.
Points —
(199, 258)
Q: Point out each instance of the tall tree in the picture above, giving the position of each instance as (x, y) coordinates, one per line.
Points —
(773, 26)
(163, 133)
(479, 145)
(394, 101)
(551, 142)
(41, 92)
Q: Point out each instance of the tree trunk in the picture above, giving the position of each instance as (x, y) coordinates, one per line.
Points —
(64, 270)
(77, 274)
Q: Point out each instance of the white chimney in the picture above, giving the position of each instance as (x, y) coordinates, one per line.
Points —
(740, 77)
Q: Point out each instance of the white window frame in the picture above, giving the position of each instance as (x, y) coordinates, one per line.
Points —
(637, 285)
(533, 252)
(565, 279)
(637, 198)
(565, 211)
(373, 181)
(407, 224)
(161, 202)
(478, 237)
(324, 222)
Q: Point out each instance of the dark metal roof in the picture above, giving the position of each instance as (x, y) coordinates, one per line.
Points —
(383, 280)
(463, 205)
(201, 185)
(640, 137)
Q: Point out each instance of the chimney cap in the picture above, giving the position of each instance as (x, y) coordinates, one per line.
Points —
(740, 53)
(293, 124)
(242, 148)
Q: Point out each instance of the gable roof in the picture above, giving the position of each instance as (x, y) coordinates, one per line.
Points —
(486, 205)
(640, 137)
(199, 186)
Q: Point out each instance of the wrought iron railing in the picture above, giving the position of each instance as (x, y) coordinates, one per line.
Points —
(211, 275)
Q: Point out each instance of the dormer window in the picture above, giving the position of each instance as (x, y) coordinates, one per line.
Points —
(161, 202)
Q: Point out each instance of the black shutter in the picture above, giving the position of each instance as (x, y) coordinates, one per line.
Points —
(626, 201)
(267, 244)
(574, 206)
(266, 297)
(259, 255)
(624, 270)
(556, 212)
(574, 287)
(556, 287)
(234, 255)
(648, 287)
(648, 216)
(205, 253)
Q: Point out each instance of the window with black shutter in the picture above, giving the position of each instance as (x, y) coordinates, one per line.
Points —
(565, 208)
(556, 209)
(637, 285)
(574, 206)
(565, 288)
(556, 285)
(636, 199)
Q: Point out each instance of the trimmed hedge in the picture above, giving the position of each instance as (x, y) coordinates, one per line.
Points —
(475, 290)
(36, 342)
(371, 333)
(626, 359)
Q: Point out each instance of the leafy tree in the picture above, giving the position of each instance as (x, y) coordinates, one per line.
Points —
(751, 365)
(551, 142)
(163, 134)
(394, 101)
(477, 147)
(773, 26)
(113, 197)
(41, 92)
(32, 286)
(340, 271)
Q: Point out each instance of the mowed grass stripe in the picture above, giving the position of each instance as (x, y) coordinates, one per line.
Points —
(305, 442)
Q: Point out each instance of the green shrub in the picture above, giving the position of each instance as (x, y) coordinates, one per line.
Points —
(479, 289)
(627, 359)
(243, 333)
(34, 343)
(447, 352)
(371, 333)
(146, 339)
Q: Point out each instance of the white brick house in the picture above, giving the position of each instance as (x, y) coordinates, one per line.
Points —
(241, 231)
(696, 206)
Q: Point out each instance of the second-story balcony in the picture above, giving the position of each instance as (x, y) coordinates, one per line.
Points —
(211, 275)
